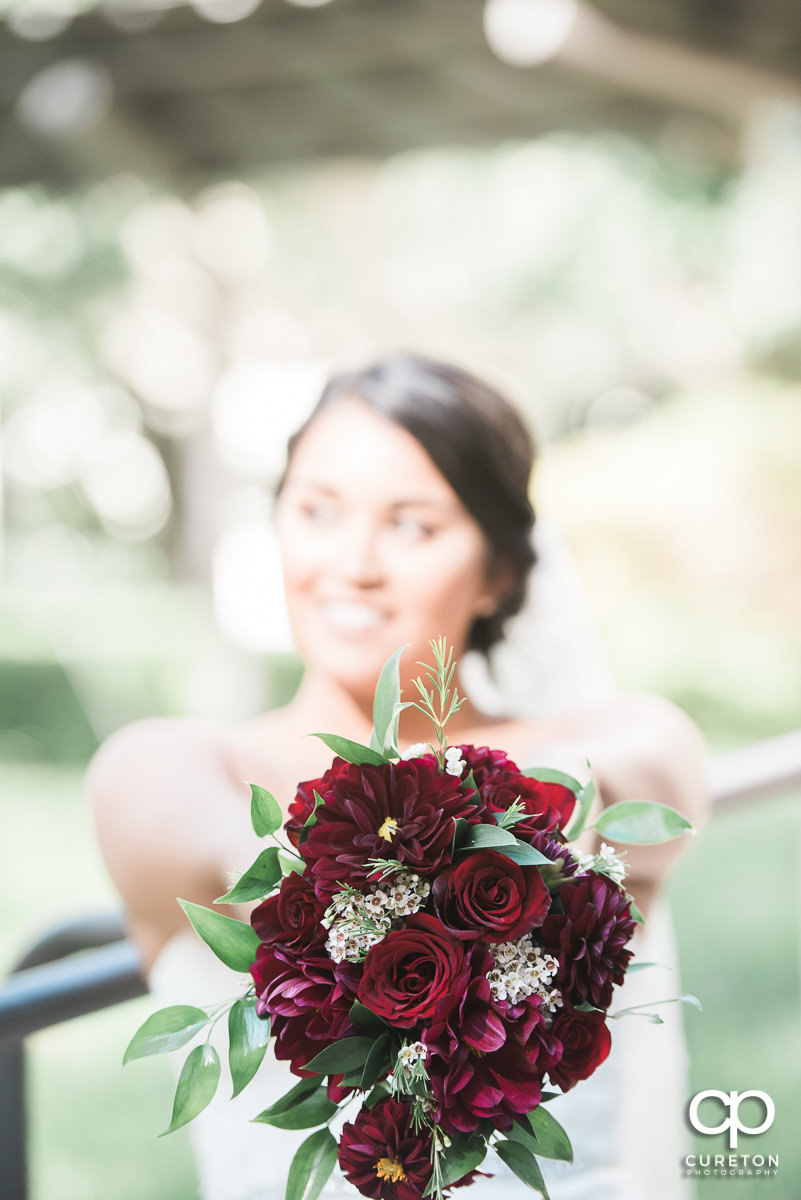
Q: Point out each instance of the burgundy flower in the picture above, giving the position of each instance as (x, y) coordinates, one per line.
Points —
(292, 917)
(414, 973)
(549, 843)
(469, 1086)
(589, 938)
(487, 895)
(302, 806)
(486, 763)
(585, 1043)
(308, 999)
(382, 1155)
(399, 810)
(474, 1020)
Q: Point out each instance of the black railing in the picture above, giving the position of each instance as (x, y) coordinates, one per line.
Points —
(88, 963)
(74, 968)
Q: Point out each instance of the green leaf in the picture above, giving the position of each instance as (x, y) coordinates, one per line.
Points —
(265, 811)
(312, 1166)
(197, 1084)
(488, 837)
(344, 1055)
(248, 1036)
(525, 855)
(687, 998)
(366, 1019)
(492, 837)
(578, 817)
(524, 1165)
(464, 1154)
(641, 822)
(311, 820)
(234, 942)
(314, 1110)
(552, 1141)
(352, 752)
(167, 1029)
(640, 966)
(378, 1061)
(299, 1092)
(290, 863)
(634, 911)
(257, 881)
(379, 1092)
(386, 702)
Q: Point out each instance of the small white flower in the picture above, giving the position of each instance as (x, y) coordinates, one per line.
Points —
(454, 763)
(416, 751)
(410, 1054)
(521, 970)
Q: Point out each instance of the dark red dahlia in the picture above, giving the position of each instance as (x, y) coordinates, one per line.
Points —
(590, 938)
(399, 810)
(308, 999)
(302, 806)
(292, 917)
(586, 1042)
(486, 895)
(382, 1155)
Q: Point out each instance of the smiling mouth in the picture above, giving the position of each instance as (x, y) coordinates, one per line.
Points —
(354, 617)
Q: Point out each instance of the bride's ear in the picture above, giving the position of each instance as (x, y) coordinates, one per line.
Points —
(500, 581)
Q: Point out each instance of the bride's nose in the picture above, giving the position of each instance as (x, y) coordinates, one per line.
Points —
(359, 559)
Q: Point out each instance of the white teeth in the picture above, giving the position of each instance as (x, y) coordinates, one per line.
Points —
(355, 616)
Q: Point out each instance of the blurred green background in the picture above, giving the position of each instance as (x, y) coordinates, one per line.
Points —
(637, 291)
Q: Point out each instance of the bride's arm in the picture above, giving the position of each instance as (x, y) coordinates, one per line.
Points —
(646, 748)
(165, 809)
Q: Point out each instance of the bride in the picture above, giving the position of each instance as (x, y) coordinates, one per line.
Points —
(403, 514)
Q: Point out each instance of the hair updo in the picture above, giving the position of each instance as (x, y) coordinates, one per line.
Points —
(477, 441)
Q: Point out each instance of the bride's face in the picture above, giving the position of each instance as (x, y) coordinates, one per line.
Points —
(377, 548)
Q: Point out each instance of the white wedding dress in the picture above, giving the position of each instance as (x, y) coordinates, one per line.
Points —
(625, 1122)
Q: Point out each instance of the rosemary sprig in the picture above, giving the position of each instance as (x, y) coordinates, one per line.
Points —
(440, 702)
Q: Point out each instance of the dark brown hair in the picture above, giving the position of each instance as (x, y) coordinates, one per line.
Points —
(478, 442)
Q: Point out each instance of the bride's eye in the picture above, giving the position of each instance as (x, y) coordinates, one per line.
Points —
(320, 512)
(412, 530)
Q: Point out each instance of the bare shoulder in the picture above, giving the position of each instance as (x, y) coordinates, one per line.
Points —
(163, 798)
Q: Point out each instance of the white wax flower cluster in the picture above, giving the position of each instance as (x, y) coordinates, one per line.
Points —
(410, 1054)
(605, 862)
(454, 763)
(523, 969)
(357, 922)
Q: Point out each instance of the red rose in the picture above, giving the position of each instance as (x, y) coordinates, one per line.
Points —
(586, 1042)
(415, 973)
(590, 938)
(292, 917)
(489, 896)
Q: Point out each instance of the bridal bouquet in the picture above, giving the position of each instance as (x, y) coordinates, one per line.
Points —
(428, 947)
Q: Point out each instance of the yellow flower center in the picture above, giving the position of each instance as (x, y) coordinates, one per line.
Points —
(477, 1053)
(390, 1169)
(387, 830)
